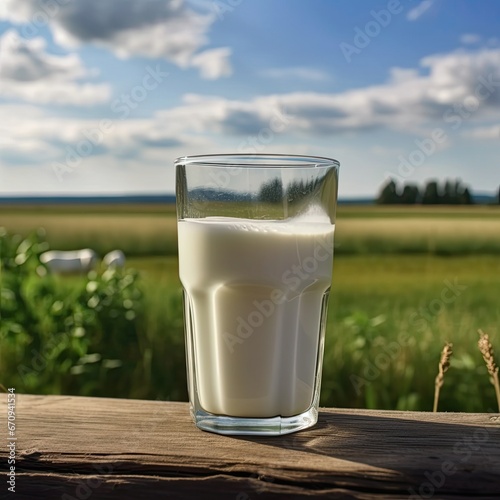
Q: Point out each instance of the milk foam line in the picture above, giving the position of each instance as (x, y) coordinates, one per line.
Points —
(305, 224)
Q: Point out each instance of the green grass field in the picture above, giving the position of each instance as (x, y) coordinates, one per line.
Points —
(151, 230)
(405, 281)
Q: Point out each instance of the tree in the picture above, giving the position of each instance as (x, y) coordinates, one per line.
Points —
(411, 194)
(295, 191)
(452, 192)
(449, 194)
(466, 198)
(388, 194)
(431, 194)
(459, 190)
(298, 190)
(272, 191)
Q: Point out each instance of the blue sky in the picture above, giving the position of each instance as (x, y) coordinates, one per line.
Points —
(101, 97)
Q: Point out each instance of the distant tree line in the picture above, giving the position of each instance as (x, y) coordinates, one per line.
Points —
(452, 192)
(274, 192)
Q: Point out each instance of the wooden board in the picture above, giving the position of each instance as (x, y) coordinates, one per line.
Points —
(77, 448)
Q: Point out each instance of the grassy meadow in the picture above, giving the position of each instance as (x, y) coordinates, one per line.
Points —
(406, 279)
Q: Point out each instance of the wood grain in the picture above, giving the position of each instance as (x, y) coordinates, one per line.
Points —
(80, 448)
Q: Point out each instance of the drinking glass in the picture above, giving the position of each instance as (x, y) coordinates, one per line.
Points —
(255, 260)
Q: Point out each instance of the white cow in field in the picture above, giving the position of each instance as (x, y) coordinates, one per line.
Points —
(115, 258)
(75, 261)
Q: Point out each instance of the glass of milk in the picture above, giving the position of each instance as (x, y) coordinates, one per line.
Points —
(255, 260)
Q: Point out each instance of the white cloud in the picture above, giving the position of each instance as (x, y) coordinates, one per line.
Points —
(489, 132)
(470, 39)
(386, 152)
(133, 155)
(213, 64)
(419, 10)
(401, 75)
(409, 101)
(31, 74)
(297, 72)
(26, 60)
(166, 29)
(32, 134)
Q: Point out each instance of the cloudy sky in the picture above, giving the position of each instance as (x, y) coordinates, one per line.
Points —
(100, 96)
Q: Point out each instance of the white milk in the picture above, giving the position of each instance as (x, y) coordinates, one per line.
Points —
(256, 290)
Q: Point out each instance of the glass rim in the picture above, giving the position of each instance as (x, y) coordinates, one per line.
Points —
(257, 160)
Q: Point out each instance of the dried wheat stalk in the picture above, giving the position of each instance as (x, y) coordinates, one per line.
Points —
(489, 358)
(444, 364)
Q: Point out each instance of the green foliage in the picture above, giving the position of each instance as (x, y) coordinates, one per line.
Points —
(72, 336)
(52, 341)
(388, 322)
(297, 191)
(381, 229)
(452, 193)
(388, 194)
(411, 194)
(272, 191)
(431, 193)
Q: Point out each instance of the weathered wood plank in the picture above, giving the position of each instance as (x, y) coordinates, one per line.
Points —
(131, 449)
